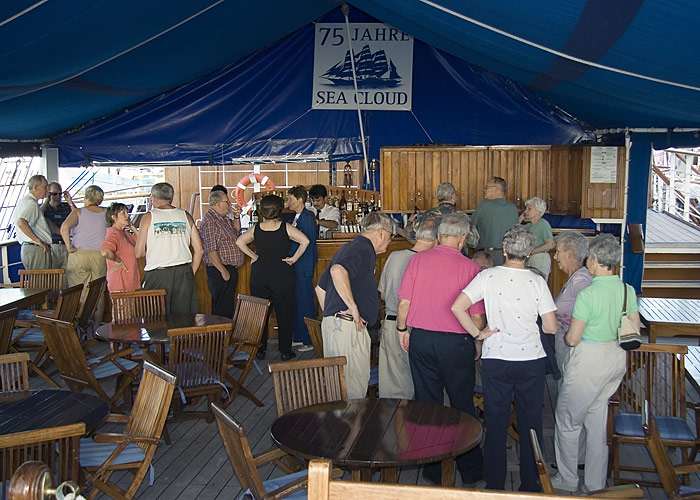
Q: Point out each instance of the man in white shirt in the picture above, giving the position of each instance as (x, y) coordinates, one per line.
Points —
(32, 229)
(327, 216)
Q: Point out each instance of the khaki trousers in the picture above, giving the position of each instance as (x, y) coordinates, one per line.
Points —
(341, 338)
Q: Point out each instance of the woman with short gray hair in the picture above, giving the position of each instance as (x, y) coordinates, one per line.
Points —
(571, 249)
(513, 359)
(539, 260)
(594, 369)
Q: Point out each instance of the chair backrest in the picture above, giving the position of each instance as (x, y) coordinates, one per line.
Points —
(545, 480)
(249, 322)
(137, 304)
(239, 452)
(14, 372)
(314, 327)
(322, 488)
(43, 278)
(151, 406)
(68, 303)
(308, 382)
(198, 354)
(95, 289)
(7, 323)
(655, 372)
(62, 340)
(56, 446)
(669, 478)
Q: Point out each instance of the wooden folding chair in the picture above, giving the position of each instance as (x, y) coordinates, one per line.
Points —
(94, 290)
(198, 359)
(80, 373)
(622, 491)
(56, 446)
(7, 324)
(249, 323)
(667, 472)
(134, 449)
(137, 304)
(308, 382)
(14, 372)
(655, 372)
(43, 278)
(314, 328)
(31, 337)
(245, 465)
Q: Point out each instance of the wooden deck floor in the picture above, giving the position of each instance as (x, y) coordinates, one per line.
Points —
(666, 233)
(196, 465)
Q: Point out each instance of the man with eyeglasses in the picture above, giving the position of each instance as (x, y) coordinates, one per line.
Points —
(221, 254)
(56, 212)
(493, 217)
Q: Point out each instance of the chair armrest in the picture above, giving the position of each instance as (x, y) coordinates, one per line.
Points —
(117, 418)
(115, 355)
(10, 285)
(110, 437)
(621, 491)
(269, 456)
(288, 489)
(687, 468)
(89, 343)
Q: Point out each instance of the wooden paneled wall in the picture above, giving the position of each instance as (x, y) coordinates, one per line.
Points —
(558, 174)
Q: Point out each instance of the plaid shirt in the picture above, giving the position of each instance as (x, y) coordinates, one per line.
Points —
(218, 234)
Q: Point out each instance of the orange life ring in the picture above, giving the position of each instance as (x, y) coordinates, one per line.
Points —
(245, 181)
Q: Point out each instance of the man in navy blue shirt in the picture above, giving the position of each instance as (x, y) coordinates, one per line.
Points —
(347, 291)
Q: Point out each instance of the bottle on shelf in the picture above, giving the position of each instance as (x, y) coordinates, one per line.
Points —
(336, 200)
(356, 202)
(254, 217)
(343, 203)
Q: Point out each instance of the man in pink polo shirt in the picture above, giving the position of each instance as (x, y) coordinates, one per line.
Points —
(440, 351)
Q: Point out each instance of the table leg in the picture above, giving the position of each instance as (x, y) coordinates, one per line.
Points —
(652, 334)
(448, 472)
(160, 352)
(389, 475)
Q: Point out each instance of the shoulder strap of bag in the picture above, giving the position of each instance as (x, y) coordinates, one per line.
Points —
(624, 299)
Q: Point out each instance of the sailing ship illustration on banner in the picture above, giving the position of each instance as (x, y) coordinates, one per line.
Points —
(383, 60)
(372, 69)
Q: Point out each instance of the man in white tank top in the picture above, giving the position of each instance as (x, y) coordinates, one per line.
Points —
(165, 236)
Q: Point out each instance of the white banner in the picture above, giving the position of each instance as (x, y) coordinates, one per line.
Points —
(383, 66)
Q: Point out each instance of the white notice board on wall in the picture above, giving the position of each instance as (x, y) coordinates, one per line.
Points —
(603, 165)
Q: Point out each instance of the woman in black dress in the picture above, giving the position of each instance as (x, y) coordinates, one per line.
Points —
(271, 274)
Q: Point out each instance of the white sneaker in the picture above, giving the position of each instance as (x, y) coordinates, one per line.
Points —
(297, 344)
(559, 484)
(305, 348)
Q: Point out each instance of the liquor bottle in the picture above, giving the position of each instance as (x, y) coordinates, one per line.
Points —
(254, 215)
(357, 201)
(336, 200)
(343, 203)
(351, 203)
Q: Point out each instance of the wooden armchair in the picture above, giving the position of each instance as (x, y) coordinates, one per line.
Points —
(308, 382)
(14, 372)
(7, 324)
(137, 304)
(667, 472)
(134, 449)
(322, 488)
(249, 323)
(655, 372)
(245, 465)
(56, 446)
(79, 372)
(95, 290)
(43, 278)
(314, 327)
(622, 491)
(30, 336)
(198, 359)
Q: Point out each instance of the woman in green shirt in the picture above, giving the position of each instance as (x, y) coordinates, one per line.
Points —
(539, 260)
(594, 369)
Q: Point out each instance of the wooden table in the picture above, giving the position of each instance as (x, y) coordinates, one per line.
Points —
(148, 331)
(33, 410)
(670, 317)
(22, 298)
(378, 433)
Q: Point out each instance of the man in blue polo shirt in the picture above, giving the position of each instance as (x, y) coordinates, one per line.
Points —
(347, 292)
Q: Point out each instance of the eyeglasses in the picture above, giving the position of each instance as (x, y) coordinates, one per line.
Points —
(55, 194)
(391, 234)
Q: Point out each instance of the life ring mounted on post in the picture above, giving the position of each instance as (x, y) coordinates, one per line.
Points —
(245, 181)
